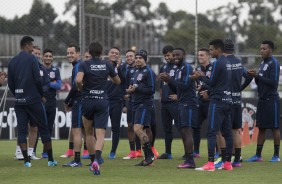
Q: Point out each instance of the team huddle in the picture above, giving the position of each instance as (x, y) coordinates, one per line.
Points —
(107, 88)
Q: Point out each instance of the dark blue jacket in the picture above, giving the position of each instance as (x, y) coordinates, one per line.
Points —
(74, 94)
(24, 79)
(117, 92)
(186, 88)
(207, 71)
(238, 71)
(219, 82)
(144, 79)
(268, 79)
(53, 75)
(168, 89)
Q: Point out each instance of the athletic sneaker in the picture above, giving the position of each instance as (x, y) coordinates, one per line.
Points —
(165, 156)
(34, 157)
(196, 155)
(95, 168)
(72, 164)
(207, 167)
(131, 155)
(275, 158)
(85, 154)
(27, 164)
(146, 161)
(44, 155)
(236, 164)
(112, 155)
(188, 164)
(68, 154)
(139, 153)
(100, 162)
(218, 165)
(156, 153)
(52, 163)
(219, 159)
(19, 155)
(227, 166)
(254, 158)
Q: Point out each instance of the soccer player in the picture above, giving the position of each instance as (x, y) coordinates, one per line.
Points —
(91, 79)
(142, 88)
(268, 108)
(220, 104)
(26, 85)
(116, 98)
(187, 103)
(51, 93)
(205, 67)
(169, 107)
(73, 103)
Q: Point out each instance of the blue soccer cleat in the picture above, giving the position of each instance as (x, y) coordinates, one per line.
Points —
(275, 158)
(112, 155)
(254, 158)
(52, 163)
(95, 168)
(44, 155)
(27, 164)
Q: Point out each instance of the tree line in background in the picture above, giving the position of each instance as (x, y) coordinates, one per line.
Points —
(246, 22)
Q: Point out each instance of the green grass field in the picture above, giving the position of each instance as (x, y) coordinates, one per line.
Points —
(123, 171)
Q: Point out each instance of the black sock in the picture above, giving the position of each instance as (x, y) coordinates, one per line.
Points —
(189, 157)
(50, 155)
(276, 150)
(85, 147)
(26, 157)
(259, 150)
(92, 157)
(132, 145)
(237, 154)
(98, 154)
(70, 145)
(223, 154)
(154, 132)
(77, 156)
(147, 150)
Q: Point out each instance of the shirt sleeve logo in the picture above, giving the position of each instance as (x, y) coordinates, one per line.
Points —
(265, 67)
(139, 77)
(52, 74)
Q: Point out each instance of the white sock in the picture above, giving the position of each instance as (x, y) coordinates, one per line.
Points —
(30, 151)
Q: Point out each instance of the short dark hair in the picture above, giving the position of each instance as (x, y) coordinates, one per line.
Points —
(47, 50)
(205, 50)
(217, 44)
(130, 50)
(167, 49)
(268, 42)
(36, 47)
(95, 49)
(178, 48)
(26, 40)
(115, 48)
(76, 47)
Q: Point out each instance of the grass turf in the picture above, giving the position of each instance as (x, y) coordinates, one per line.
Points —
(123, 171)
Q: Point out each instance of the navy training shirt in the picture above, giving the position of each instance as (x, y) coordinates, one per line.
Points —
(144, 79)
(168, 90)
(54, 75)
(219, 82)
(207, 71)
(95, 78)
(74, 94)
(186, 88)
(268, 79)
(24, 79)
(117, 92)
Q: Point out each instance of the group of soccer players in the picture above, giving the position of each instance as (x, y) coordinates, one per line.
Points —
(106, 88)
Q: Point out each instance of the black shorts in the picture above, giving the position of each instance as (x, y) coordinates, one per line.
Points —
(268, 115)
(142, 115)
(236, 116)
(188, 116)
(76, 118)
(96, 110)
